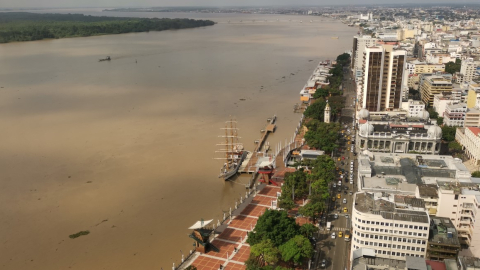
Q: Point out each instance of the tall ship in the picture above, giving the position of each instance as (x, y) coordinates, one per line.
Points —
(232, 150)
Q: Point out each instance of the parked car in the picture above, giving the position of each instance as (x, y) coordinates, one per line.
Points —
(339, 196)
(334, 235)
(324, 263)
(339, 183)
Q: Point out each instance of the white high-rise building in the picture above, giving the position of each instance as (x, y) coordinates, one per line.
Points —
(359, 45)
(394, 226)
(384, 72)
(467, 69)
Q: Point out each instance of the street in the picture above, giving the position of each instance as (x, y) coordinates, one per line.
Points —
(335, 250)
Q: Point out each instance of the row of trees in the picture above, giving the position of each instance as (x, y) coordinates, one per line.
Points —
(28, 26)
(277, 238)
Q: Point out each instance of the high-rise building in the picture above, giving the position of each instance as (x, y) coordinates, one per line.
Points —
(383, 78)
(359, 45)
(467, 69)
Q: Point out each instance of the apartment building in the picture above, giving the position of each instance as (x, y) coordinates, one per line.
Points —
(392, 227)
(467, 69)
(469, 138)
(414, 108)
(433, 85)
(473, 96)
(460, 201)
(472, 118)
(383, 78)
(440, 101)
(359, 45)
(428, 68)
(454, 114)
(443, 241)
(428, 193)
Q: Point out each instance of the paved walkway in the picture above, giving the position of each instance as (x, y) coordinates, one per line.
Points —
(235, 235)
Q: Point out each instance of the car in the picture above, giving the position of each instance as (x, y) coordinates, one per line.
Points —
(338, 159)
(323, 264)
(335, 216)
(346, 180)
(345, 210)
(334, 185)
(340, 234)
(351, 182)
(334, 235)
(346, 216)
(339, 183)
(343, 163)
(345, 192)
(351, 193)
(333, 198)
(347, 235)
(351, 162)
(339, 196)
(341, 176)
(344, 200)
(345, 187)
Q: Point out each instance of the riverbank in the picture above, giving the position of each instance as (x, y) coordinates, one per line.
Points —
(24, 26)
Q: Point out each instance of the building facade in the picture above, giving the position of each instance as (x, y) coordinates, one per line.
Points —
(433, 85)
(469, 138)
(390, 136)
(454, 114)
(383, 78)
(392, 231)
(359, 45)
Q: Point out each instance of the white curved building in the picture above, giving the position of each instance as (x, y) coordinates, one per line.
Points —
(394, 227)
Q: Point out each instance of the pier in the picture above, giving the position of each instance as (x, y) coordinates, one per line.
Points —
(248, 165)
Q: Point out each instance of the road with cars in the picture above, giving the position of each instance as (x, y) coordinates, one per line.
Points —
(332, 248)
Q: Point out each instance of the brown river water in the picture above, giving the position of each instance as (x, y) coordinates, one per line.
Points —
(124, 148)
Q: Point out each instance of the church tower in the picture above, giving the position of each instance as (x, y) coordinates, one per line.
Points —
(327, 113)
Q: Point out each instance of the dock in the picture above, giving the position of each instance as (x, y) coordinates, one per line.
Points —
(248, 165)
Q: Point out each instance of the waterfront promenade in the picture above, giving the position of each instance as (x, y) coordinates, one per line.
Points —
(231, 240)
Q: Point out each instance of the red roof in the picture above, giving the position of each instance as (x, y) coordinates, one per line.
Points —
(474, 130)
(436, 265)
(417, 126)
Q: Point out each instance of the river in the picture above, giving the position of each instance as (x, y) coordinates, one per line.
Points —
(124, 148)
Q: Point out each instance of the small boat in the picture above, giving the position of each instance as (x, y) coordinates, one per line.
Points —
(104, 59)
(334, 37)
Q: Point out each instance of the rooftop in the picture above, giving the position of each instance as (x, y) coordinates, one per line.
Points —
(474, 130)
(469, 261)
(367, 203)
(442, 231)
(428, 191)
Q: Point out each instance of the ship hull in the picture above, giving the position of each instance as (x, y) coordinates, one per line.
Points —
(234, 171)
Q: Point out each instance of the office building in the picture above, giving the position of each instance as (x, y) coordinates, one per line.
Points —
(383, 78)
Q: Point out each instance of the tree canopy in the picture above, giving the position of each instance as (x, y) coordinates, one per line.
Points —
(452, 67)
(266, 251)
(448, 133)
(274, 225)
(476, 174)
(296, 249)
(322, 135)
(23, 26)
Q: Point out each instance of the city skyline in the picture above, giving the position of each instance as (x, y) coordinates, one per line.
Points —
(209, 3)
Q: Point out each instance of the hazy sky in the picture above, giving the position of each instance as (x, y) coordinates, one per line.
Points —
(158, 3)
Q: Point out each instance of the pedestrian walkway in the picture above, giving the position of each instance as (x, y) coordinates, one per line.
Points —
(234, 250)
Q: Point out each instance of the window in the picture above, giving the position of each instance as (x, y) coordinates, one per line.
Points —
(381, 223)
(415, 227)
(368, 221)
(422, 250)
(456, 196)
(394, 246)
(401, 225)
(410, 227)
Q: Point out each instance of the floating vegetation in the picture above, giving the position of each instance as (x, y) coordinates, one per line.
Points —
(78, 234)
